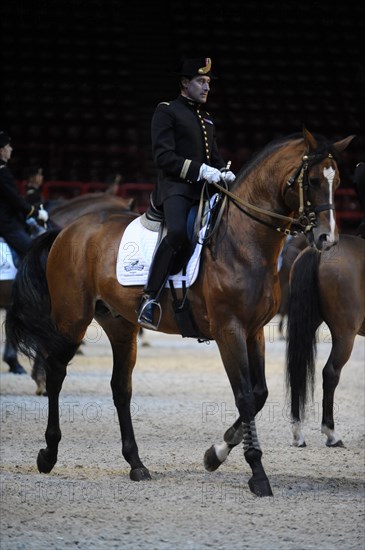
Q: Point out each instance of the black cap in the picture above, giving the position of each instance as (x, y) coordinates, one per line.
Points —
(4, 139)
(196, 67)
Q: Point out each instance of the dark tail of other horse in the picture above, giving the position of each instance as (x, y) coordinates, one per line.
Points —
(29, 327)
(303, 321)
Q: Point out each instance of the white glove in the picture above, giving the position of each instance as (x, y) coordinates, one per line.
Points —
(42, 214)
(228, 176)
(209, 174)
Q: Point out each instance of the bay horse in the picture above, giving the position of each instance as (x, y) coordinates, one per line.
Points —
(326, 287)
(69, 278)
(60, 215)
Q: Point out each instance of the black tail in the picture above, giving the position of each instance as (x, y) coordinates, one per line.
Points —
(303, 321)
(29, 327)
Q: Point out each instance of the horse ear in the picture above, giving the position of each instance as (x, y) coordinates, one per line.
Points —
(131, 203)
(309, 140)
(341, 145)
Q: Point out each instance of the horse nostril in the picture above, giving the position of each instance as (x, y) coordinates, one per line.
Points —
(321, 241)
(325, 242)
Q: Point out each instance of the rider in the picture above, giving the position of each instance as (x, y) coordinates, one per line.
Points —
(14, 209)
(186, 155)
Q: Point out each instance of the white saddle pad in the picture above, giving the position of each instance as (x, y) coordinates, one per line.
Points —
(7, 267)
(135, 255)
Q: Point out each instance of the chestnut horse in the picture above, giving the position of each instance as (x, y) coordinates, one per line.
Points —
(325, 287)
(70, 278)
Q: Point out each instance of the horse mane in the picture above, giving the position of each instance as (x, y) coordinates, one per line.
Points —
(323, 147)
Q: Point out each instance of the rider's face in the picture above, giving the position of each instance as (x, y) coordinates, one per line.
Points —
(197, 88)
(5, 152)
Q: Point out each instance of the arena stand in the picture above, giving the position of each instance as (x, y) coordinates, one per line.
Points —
(80, 81)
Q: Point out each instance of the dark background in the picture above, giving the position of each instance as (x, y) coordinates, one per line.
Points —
(80, 79)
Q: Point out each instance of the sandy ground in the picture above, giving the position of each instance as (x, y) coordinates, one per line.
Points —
(182, 403)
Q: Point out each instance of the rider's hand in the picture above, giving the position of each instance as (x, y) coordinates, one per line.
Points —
(209, 174)
(42, 214)
(227, 175)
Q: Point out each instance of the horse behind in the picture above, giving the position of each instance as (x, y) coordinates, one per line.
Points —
(325, 287)
(235, 294)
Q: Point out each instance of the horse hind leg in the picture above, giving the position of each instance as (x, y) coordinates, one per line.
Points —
(56, 365)
(123, 338)
(39, 376)
(340, 353)
(296, 423)
(298, 434)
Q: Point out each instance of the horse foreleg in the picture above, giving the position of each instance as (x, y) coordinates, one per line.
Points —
(56, 372)
(340, 354)
(218, 453)
(235, 358)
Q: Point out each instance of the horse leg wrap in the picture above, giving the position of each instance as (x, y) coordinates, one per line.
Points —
(259, 484)
(250, 439)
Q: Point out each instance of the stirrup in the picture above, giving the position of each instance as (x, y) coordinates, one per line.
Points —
(148, 323)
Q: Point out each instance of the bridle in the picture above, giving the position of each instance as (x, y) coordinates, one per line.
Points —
(307, 213)
(307, 218)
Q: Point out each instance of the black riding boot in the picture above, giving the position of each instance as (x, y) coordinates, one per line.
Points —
(11, 358)
(159, 271)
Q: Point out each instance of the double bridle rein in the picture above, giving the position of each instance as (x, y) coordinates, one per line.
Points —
(307, 213)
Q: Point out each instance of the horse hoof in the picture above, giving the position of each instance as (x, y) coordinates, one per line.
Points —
(211, 461)
(260, 488)
(140, 474)
(44, 465)
(337, 444)
(299, 445)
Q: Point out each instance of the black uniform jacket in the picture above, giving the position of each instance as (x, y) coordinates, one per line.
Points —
(183, 137)
(13, 208)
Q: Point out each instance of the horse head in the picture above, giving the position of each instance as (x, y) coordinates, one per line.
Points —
(313, 185)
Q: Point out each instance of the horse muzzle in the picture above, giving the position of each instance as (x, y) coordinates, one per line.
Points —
(322, 238)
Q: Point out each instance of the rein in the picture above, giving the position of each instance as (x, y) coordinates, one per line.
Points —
(307, 216)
